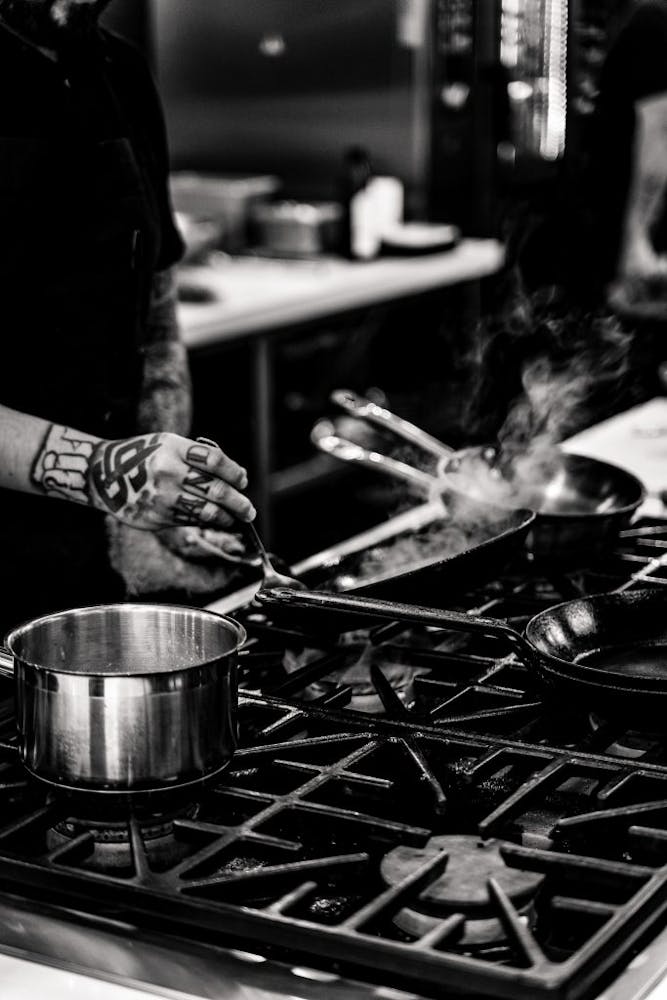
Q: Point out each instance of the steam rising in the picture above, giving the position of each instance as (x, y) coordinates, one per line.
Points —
(569, 367)
(539, 373)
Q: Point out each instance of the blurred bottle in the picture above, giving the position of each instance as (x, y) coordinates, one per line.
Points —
(360, 238)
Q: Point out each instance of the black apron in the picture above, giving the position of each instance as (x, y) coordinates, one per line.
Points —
(81, 244)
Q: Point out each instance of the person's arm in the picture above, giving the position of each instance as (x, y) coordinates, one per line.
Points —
(166, 395)
(150, 481)
(640, 287)
(166, 405)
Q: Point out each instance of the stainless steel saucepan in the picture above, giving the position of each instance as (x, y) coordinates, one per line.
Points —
(125, 699)
(580, 503)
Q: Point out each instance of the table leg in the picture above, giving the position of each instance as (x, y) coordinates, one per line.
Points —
(262, 444)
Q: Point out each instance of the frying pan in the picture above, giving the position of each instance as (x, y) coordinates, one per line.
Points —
(606, 653)
(473, 542)
(581, 503)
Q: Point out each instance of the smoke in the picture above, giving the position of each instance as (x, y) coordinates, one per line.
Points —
(543, 371)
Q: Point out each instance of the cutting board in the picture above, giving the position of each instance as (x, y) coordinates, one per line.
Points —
(635, 440)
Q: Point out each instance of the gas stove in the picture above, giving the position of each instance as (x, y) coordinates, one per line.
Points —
(405, 812)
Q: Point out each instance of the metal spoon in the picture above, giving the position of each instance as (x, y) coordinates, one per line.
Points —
(270, 575)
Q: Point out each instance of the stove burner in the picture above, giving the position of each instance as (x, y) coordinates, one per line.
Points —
(357, 676)
(631, 743)
(108, 842)
(462, 888)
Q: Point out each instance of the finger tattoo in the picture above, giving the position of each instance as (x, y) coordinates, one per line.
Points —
(188, 508)
(197, 453)
(198, 480)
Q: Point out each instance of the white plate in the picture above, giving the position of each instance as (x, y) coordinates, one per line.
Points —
(421, 236)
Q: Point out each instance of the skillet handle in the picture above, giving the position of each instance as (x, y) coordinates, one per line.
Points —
(6, 663)
(311, 600)
(365, 409)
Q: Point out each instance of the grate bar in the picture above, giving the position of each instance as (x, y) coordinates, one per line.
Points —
(393, 896)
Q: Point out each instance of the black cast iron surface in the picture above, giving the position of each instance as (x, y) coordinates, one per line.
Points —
(404, 809)
(460, 681)
(290, 853)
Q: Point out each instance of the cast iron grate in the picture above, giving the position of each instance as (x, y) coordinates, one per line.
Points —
(326, 838)
(463, 682)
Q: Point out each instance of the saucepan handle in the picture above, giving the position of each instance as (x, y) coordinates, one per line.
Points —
(365, 409)
(6, 663)
(305, 600)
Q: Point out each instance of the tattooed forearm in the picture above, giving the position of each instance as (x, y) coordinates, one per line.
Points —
(62, 464)
(165, 403)
(162, 324)
(166, 395)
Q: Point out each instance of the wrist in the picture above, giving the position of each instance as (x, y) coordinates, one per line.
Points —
(62, 465)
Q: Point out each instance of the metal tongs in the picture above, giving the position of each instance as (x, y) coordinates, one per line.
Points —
(326, 436)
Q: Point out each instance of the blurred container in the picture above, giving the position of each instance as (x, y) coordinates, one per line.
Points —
(297, 228)
(200, 236)
(221, 200)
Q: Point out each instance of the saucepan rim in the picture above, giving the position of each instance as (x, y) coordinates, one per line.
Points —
(20, 630)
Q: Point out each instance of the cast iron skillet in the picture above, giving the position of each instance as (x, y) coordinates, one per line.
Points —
(494, 536)
(606, 653)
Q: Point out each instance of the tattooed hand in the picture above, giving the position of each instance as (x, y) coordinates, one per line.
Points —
(159, 480)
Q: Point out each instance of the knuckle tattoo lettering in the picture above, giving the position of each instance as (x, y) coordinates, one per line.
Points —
(197, 453)
(198, 480)
(188, 508)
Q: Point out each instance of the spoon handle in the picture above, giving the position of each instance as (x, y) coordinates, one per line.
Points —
(251, 530)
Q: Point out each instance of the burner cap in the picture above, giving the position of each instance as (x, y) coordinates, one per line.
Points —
(108, 841)
(463, 886)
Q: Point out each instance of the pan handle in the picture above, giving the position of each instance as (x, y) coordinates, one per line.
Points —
(365, 409)
(310, 600)
(325, 437)
(6, 663)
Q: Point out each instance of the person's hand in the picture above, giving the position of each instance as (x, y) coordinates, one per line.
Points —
(155, 481)
(639, 290)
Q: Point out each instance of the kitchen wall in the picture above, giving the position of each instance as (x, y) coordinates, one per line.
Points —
(285, 86)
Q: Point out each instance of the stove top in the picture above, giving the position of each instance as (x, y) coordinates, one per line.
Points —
(465, 682)
(404, 812)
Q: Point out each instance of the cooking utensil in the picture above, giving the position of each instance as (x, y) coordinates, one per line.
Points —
(440, 576)
(488, 535)
(473, 543)
(606, 653)
(581, 503)
(125, 699)
(270, 575)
